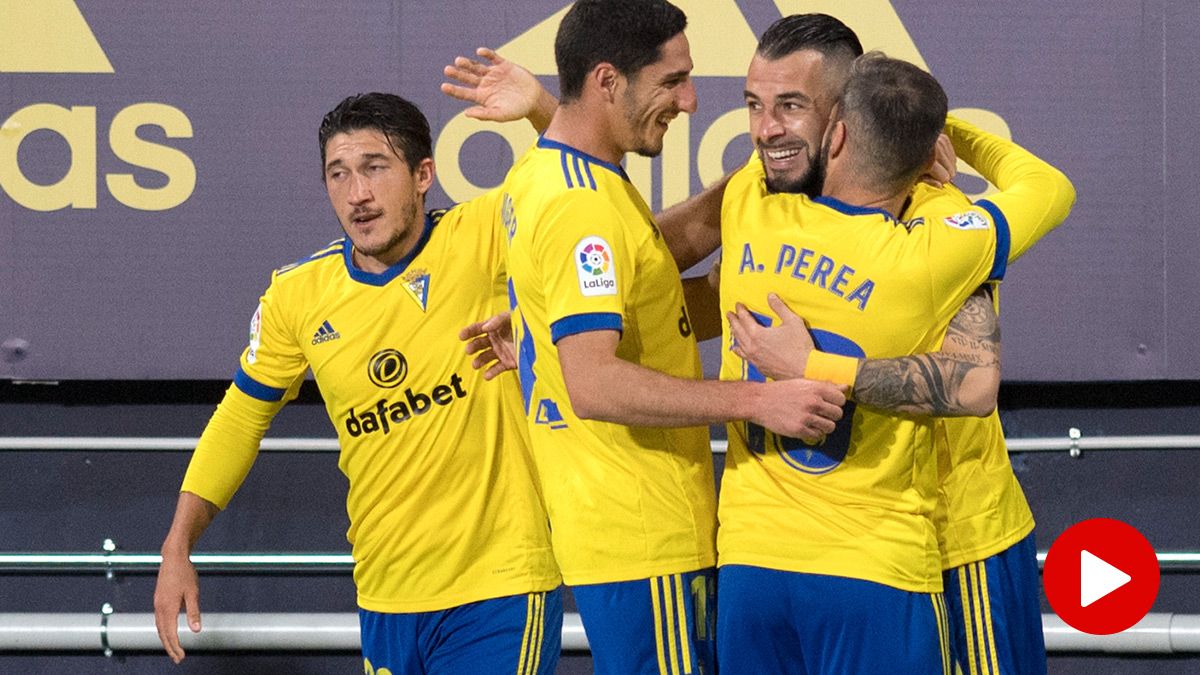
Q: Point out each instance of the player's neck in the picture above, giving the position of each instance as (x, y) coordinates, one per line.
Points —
(577, 126)
(848, 185)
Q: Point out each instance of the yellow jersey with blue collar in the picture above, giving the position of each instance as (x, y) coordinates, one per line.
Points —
(584, 254)
(443, 503)
(982, 510)
(859, 505)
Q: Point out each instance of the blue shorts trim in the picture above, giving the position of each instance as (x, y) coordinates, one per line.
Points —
(787, 623)
(658, 626)
(519, 634)
(995, 615)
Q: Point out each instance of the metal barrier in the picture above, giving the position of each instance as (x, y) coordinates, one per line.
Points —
(111, 562)
(1074, 442)
(112, 632)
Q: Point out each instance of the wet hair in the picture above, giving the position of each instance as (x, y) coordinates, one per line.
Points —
(899, 109)
(629, 34)
(400, 121)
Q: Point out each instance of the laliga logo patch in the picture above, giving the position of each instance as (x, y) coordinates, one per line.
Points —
(597, 274)
(969, 220)
(255, 335)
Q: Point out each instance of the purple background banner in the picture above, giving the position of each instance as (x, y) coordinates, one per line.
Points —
(158, 160)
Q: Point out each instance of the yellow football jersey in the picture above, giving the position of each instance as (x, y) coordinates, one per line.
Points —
(860, 504)
(443, 504)
(584, 253)
(982, 510)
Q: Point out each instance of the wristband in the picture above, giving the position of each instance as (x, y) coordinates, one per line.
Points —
(833, 368)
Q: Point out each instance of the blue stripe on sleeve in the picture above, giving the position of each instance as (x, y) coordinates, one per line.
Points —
(1003, 239)
(256, 389)
(584, 323)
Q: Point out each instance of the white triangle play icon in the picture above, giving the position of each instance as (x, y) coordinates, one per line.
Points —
(1097, 578)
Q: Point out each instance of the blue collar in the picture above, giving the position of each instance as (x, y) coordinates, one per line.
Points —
(851, 210)
(548, 144)
(393, 271)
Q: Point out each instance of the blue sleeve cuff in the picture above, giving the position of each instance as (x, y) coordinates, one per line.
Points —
(584, 323)
(1003, 239)
(256, 389)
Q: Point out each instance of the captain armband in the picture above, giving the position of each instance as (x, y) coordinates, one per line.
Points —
(831, 368)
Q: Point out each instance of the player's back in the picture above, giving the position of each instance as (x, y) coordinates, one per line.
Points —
(585, 254)
(860, 504)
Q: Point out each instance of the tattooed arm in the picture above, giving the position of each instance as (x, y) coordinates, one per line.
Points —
(962, 379)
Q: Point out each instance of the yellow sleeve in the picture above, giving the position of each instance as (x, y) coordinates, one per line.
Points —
(1034, 197)
(588, 264)
(923, 195)
(229, 444)
(269, 374)
(484, 222)
(746, 183)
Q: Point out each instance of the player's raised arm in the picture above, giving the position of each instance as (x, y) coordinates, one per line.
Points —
(504, 91)
(501, 90)
(1034, 197)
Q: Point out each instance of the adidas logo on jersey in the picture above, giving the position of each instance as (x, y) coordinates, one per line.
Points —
(325, 333)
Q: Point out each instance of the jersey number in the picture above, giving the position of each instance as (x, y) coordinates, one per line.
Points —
(813, 459)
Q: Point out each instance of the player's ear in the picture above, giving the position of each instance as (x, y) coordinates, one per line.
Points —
(423, 175)
(605, 78)
(836, 139)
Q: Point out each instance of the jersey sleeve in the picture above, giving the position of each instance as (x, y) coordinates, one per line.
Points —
(966, 246)
(747, 180)
(273, 359)
(924, 195)
(587, 263)
(1033, 196)
(229, 445)
(482, 224)
(269, 374)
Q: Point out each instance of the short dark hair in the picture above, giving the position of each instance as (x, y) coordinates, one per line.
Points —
(817, 32)
(629, 34)
(400, 121)
(900, 109)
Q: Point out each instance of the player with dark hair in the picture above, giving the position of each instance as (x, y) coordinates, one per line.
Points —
(453, 564)
(795, 80)
(608, 361)
(982, 520)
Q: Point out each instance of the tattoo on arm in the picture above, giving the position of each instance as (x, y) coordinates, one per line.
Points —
(929, 383)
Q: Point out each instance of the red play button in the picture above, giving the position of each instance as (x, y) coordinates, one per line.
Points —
(1101, 576)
